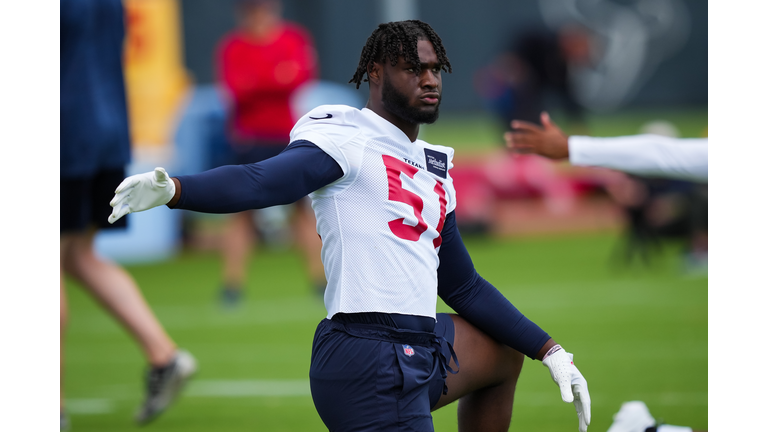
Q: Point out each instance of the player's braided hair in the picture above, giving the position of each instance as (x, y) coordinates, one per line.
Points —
(394, 39)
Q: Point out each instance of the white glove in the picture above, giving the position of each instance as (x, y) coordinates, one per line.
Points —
(573, 386)
(142, 192)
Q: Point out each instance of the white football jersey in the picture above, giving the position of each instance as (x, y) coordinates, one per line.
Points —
(380, 222)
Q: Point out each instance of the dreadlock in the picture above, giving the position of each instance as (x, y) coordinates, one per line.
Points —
(395, 39)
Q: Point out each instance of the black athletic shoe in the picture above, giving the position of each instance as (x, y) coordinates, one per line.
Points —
(64, 422)
(231, 297)
(164, 384)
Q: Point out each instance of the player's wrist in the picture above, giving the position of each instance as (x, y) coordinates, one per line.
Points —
(176, 193)
(565, 145)
(551, 351)
(545, 348)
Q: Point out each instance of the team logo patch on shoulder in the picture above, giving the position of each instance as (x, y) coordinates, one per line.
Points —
(408, 350)
(437, 163)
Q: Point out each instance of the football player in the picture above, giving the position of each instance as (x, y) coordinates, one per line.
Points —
(384, 202)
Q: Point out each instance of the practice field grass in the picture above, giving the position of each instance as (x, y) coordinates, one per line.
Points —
(637, 333)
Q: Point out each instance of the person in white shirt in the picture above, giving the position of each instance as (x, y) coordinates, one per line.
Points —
(646, 155)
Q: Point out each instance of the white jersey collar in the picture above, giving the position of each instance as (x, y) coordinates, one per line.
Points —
(386, 127)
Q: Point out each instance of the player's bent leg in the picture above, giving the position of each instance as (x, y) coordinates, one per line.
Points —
(372, 378)
(486, 380)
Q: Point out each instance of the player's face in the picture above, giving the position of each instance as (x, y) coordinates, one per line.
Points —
(414, 97)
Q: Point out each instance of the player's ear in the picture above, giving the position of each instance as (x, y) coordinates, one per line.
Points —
(375, 71)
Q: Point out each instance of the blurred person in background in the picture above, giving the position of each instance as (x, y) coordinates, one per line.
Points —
(94, 152)
(260, 65)
(669, 198)
(532, 74)
(529, 75)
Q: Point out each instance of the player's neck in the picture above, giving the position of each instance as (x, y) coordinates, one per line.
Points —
(411, 130)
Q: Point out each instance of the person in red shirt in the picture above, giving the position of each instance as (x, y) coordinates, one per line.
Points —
(260, 65)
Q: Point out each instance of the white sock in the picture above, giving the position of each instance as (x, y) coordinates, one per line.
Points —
(670, 428)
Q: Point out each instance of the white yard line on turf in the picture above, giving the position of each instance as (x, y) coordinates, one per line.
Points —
(89, 406)
(246, 388)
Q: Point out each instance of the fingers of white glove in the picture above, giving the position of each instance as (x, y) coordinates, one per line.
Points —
(118, 212)
(119, 197)
(559, 365)
(583, 423)
(565, 391)
(160, 175)
(584, 407)
(127, 183)
(579, 412)
(584, 419)
(145, 191)
(162, 182)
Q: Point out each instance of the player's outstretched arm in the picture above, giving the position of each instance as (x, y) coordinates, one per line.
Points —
(573, 386)
(546, 140)
(480, 303)
(300, 169)
(142, 192)
(645, 155)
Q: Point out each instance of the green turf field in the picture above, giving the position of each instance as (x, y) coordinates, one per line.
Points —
(637, 333)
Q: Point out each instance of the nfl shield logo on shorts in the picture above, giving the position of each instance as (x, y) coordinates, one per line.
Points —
(408, 350)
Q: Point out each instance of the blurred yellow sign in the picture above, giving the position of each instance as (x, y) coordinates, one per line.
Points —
(156, 80)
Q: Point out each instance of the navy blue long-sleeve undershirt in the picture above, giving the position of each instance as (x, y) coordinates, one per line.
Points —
(298, 170)
(303, 168)
(479, 302)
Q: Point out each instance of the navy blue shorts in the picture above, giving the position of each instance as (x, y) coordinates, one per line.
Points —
(367, 377)
(84, 201)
